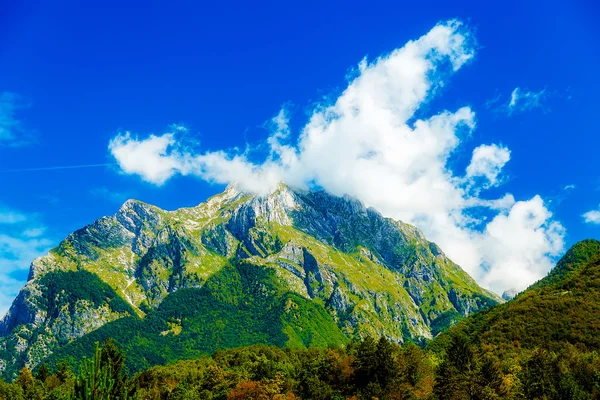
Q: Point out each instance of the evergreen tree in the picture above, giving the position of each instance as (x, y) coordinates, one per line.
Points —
(42, 372)
(454, 378)
(64, 372)
(114, 358)
(100, 378)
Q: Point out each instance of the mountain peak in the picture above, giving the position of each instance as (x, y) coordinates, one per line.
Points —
(236, 188)
(364, 274)
(133, 214)
(133, 205)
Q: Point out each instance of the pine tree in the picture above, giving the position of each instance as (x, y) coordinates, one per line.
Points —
(100, 378)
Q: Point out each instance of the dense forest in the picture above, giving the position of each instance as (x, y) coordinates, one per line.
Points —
(369, 369)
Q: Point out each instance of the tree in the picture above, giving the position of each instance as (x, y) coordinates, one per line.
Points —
(114, 358)
(375, 367)
(101, 378)
(25, 379)
(455, 375)
(64, 372)
(540, 375)
(417, 373)
(42, 372)
(11, 391)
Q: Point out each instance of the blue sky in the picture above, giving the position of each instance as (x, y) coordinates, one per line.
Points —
(75, 77)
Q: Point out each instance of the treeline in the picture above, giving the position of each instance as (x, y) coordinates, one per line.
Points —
(370, 369)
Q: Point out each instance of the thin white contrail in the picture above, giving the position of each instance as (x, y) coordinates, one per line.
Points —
(59, 167)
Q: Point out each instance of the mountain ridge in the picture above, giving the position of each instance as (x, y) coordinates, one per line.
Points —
(372, 275)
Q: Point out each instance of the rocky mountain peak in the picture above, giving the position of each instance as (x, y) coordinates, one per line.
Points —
(509, 294)
(375, 276)
(133, 214)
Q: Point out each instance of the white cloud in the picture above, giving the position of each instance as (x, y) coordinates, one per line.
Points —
(487, 162)
(515, 244)
(521, 100)
(592, 217)
(369, 144)
(154, 159)
(21, 241)
(12, 132)
(524, 100)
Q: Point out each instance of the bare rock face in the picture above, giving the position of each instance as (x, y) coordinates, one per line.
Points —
(509, 294)
(376, 276)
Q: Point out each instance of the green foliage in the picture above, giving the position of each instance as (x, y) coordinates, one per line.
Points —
(444, 321)
(42, 372)
(375, 367)
(267, 372)
(67, 287)
(95, 379)
(574, 259)
(241, 305)
(543, 344)
(11, 391)
(99, 378)
(547, 316)
(362, 370)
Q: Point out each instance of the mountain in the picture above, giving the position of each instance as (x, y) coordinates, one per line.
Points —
(571, 263)
(543, 344)
(294, 268)
(509, 294)
(561, 309)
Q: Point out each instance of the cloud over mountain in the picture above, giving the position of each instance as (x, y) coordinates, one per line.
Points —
(369, 143)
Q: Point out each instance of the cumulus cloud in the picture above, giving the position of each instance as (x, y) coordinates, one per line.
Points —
(21, 240)
(154, 158)
(12, 132)
(487, 162)
(515, 244)
(369, 143)
(592, 217)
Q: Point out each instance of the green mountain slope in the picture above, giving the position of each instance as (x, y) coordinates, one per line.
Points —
(544, 344)
(239, 306)
(561, 309)
(326, 268)
(573, 260)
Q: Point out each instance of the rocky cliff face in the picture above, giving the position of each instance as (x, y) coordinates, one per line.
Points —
(376, 276)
